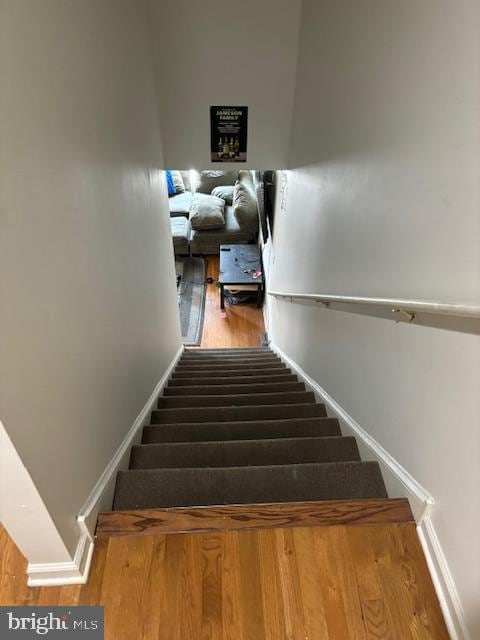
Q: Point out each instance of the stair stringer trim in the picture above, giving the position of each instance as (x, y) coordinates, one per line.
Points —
(101, 496)
(64, 573)
(398, 481)
(100, 499)
(445, 587)
(399, 484)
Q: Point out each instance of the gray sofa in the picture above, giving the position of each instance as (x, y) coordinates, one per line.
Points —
(179, 204)
(208, 241)
(181, 230)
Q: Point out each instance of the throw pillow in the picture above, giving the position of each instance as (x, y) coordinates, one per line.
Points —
(186, 175)
(245, 208)
(207, 212)
(208, 180)
(225, 193)
(170, 183)
(178, 182)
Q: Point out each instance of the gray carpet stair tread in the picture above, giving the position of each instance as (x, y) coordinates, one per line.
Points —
(279, 377)
(238, 453)
(241, 366)
(227, 389)
(157, 488)
(228, 373)
(225, 414)
(255, 429)
(235, 400)
(236, 426)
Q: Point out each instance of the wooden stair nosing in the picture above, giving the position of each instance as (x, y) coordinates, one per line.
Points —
(150, 522)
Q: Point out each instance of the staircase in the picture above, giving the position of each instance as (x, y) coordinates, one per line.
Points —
(237, 427)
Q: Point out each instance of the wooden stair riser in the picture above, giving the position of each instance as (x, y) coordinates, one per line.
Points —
(154, 522)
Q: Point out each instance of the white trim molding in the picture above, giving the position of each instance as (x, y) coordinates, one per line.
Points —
(62, 573)
(21, 505)
(398, 480)
(76, 571)
(399, 483)
(443, 581)
(101, 495)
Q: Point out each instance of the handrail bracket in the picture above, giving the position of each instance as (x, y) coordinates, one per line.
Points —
(409, 315)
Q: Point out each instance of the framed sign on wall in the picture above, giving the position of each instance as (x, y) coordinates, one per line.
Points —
(228, 134)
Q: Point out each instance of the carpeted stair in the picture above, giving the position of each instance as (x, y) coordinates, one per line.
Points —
(236, 426)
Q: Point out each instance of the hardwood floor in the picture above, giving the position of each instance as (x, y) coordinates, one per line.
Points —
(320, 583)
(242, 326)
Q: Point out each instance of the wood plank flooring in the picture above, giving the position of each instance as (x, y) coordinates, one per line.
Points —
(319, 583)
(243, 324)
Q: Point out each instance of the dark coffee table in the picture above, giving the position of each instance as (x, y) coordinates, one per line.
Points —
(238, 263)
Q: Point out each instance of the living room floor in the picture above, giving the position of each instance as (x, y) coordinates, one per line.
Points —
(242, 326)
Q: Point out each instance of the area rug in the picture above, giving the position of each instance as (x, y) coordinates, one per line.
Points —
(191, 298)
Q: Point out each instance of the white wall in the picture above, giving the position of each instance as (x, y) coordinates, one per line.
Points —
(222, 52)
(89, 317)
(383, 200)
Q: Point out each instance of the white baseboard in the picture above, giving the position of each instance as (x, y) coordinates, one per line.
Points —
(442, 579)
(76, 571)
(64, 573)
(399, 483)
(102, 493)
